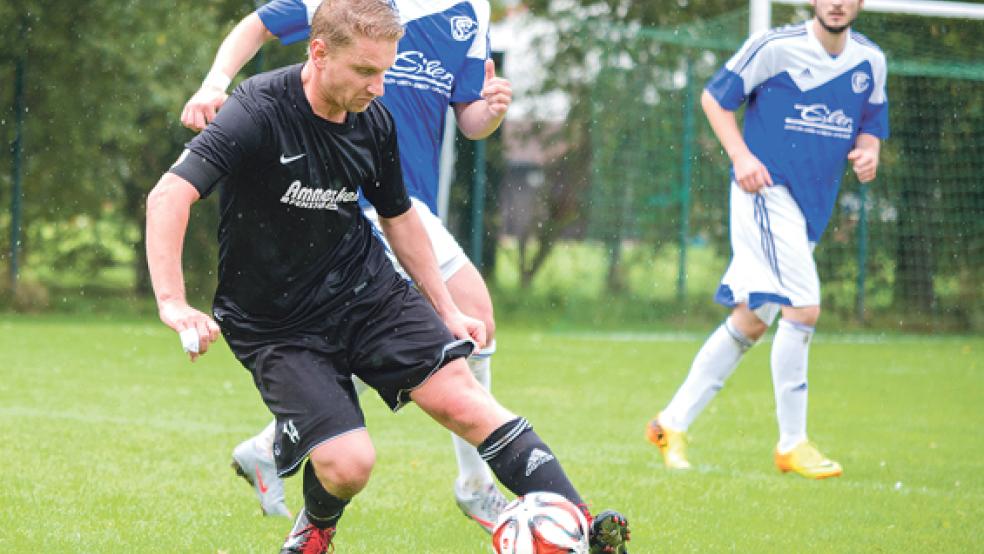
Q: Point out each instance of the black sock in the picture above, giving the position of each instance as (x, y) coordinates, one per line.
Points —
(524, 463)
(323, 508)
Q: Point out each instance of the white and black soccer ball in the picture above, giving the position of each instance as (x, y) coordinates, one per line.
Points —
(541, 523)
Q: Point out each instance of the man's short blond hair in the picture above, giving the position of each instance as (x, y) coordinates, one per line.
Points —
(338, 22)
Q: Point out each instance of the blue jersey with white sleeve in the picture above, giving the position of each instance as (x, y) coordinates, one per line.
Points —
(805, 109)
(440, 60)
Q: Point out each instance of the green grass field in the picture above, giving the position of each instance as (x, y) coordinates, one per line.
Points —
(113, 442)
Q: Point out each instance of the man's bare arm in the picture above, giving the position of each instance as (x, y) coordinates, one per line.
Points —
(864, 157)
(409, 241)
(750, 174)
(241, 44)
(481, 118)
(168, 208)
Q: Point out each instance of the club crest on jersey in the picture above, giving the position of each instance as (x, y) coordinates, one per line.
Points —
(819, 119)
(300, 196)
(860, 81)
(463, 27)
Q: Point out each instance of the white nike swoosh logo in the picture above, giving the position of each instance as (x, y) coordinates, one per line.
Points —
(285, 160)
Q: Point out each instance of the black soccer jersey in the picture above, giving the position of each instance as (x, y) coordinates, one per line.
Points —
(293, 242)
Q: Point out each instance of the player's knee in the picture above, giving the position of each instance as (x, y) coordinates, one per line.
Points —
(805, 315)
(467, 407)
(456, 400)
(346, 472)
(814, 313)
(462, 409)
(755, 329)
(748, 324)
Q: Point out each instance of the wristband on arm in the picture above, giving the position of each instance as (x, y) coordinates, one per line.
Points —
(217, 80)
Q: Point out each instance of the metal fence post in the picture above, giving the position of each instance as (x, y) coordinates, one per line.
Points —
(478, 204)
(686, 172)
(862, 250)
(16, 151)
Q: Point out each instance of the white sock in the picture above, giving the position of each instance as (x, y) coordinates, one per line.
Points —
(264, 440)
(790, 353)
(714, 363)
(473, 473)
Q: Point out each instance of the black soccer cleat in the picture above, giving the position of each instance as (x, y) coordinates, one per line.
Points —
(609, 533)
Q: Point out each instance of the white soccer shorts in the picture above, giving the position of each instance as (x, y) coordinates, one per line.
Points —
(772, 258)
(450, 256)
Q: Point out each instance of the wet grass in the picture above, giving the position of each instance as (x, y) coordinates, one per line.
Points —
(113, 442)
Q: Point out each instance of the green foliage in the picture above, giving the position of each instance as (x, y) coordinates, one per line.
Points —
(28, 297)
(593, 47)
(106, 83)
(105, 86)
(79, 248)
(126, 445)
(570, 289)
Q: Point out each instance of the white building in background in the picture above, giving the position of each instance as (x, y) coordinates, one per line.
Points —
(514, 37)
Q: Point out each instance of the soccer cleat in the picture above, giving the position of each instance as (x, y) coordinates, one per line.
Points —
(259, 470)
(305, 538)
(806, 460)
(672, 444)
(482, 506)
(609, 533)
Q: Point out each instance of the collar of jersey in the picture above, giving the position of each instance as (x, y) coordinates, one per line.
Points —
(296, 91)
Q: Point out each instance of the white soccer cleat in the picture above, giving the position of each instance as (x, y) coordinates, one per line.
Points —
(260, 471)
(482, 506)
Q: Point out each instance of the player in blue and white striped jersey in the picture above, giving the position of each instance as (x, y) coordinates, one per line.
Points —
(815, 97)
(442, 60)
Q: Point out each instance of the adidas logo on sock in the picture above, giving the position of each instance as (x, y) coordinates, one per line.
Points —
(537, 458)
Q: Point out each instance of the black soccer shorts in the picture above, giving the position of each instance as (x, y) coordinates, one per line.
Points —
(390, 337)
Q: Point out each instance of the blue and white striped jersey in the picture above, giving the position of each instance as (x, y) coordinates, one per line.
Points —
(440, 60)
(805, 109)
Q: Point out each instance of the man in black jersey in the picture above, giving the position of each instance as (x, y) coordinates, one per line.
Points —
(306, 295)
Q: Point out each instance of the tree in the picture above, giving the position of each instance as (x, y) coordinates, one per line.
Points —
(106, 82)
(598, 56)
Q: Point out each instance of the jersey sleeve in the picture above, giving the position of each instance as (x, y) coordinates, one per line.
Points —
(388, 194)
(469, 81)
(225, 146)
(874, 115)
(748, 68)
(288, 20)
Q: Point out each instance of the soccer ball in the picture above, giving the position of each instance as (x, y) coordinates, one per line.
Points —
(541, 523)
